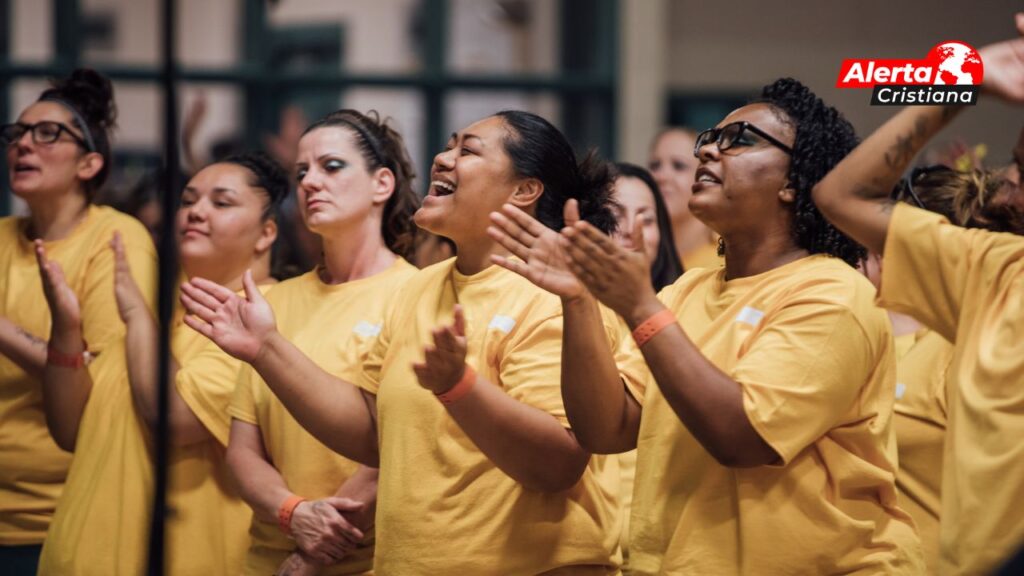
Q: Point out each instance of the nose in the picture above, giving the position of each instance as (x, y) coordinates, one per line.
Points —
(197, 211)
(311, 181)
(24, 141)
(445, 160)
(709, 151)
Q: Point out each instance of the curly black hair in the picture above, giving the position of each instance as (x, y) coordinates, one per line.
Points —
(823, 138)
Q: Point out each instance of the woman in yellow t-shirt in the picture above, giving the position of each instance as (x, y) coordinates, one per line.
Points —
(58, 156)
(480, 472)
(763, 427)
(356, 192)
(674, 168)
(968, 286)
(225, 225)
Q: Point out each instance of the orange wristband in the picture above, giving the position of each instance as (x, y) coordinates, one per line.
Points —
(284, 513)
(656, 323)
(55, 357)
(460, 389)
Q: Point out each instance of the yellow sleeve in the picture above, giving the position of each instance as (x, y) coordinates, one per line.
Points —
(927, 264)
(803, 373)
(368, 377)
(206, 383)
(531, 367)
(243, 401)
(100, 320)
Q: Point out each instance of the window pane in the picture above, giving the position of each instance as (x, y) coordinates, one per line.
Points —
(31, 29)
(503, 36)
(120, 32)
(356, 35)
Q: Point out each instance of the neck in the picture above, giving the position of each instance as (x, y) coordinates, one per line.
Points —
(230, 277)
(55, 219)
(353, 254)
(474, 256)
(754, 254)
(690, 234)
(903, 324)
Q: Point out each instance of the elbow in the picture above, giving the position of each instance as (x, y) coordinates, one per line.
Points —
(65, 439)
(824, 197)
(557, 478)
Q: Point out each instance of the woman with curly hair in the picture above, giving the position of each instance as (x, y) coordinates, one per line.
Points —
(968, 286)
(480, 472)
(763, 426)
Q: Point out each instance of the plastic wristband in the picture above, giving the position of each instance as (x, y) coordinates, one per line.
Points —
(650, 327)
(460, 389)
(55, 357)
(284, 513)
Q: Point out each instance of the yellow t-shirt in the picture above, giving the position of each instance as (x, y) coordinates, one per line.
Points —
(335, 326)
(920, 425)
(968, 285)
(443, 506)
(32, 467)
(813, 355)
(207, 530)
(705, 256)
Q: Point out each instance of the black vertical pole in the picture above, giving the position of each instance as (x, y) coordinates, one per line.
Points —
(167, 283)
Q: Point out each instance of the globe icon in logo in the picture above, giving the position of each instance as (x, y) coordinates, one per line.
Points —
(956, 63)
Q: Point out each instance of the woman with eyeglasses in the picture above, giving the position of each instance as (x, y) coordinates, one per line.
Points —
(758, 395)
(458, 401)
(58, 156)
(968, 286)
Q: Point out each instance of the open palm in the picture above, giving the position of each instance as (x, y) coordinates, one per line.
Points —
(1004, 66)
(542, 257)
(239, 326)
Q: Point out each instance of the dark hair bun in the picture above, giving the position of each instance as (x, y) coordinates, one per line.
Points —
(92, 95)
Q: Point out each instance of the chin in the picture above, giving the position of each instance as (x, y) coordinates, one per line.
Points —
(429, 220)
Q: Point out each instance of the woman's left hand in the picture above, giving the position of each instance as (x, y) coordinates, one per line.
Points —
(1004, 65)
(64, 307)
(619, 278)
(298, 564)
(444, 363)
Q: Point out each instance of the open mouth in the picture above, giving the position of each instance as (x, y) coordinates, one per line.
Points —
(706, 176)
(441, 188)
(22, 167)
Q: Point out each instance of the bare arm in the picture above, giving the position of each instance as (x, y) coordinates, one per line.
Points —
(526, 443)
(141, 357)
(23, 348)
(336, 412)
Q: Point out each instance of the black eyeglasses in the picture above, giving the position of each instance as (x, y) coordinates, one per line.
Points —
(732, 134)
(46, 132)
(906, 186)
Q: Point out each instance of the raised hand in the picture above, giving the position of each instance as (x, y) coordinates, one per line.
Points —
(1004, 66)
(239, 326)
(543, 259)
(321, 530)
(444, 363)
(126, 292)
(64, 307)
(619, 278)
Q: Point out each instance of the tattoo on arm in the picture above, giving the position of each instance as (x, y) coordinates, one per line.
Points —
(35, 340)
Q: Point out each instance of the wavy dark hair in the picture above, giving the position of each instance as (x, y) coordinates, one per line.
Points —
(823, 138)
(539, 150)
(667, 266)
(381, 146)
(91, 95)
(968, 199)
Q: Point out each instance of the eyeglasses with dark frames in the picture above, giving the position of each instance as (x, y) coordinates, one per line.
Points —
(45, 132)
(729, 135)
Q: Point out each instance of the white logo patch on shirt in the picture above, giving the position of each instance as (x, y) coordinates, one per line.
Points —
(901, 389)
(750, 316)
(503, 323)
(366, 330)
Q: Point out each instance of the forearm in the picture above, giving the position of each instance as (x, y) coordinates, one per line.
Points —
(23, 348)
(141, 357)
(361, 487)
(65, 390)
(707, 401)
(604, 417)
(866, 177)
(259, 483)
(526, 443)
(331, 409)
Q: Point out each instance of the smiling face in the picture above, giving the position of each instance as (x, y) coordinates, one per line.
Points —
(745, 187)
(40, 171)
(471, 178)
(220, 221)
(674, 168)
(336, 191)
(635, 202)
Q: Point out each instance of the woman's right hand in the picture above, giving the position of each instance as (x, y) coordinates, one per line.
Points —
(298, 564)
(64, 307)
(321, 530)
(239, 326)
(542, 259)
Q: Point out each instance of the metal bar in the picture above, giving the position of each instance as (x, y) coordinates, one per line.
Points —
(433, 81)
(5, 95)
(67, 36)
(167, 283)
